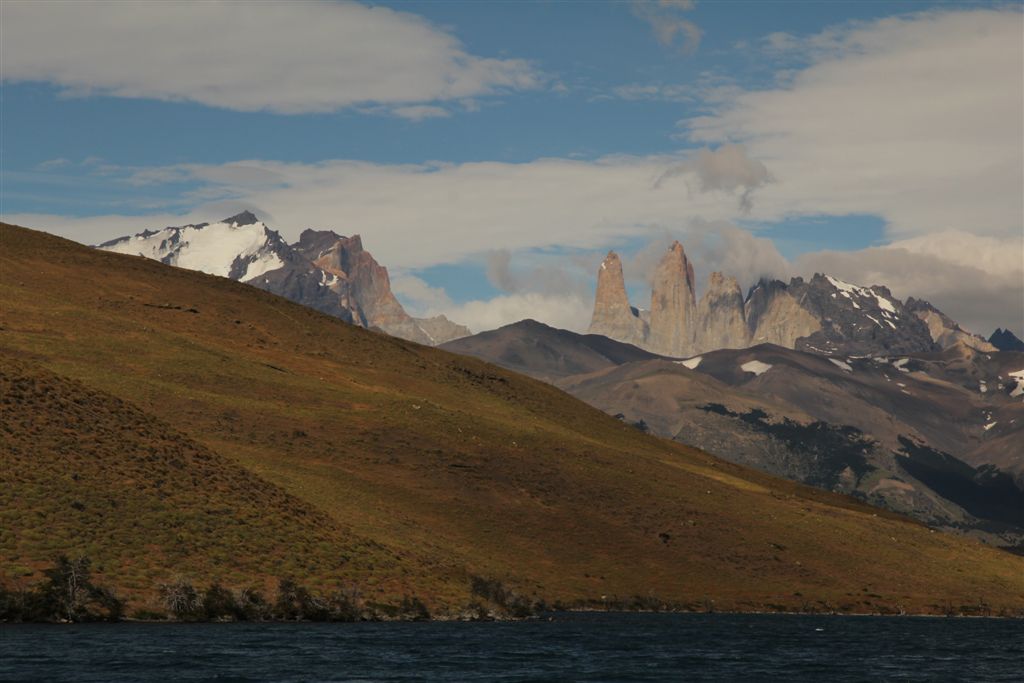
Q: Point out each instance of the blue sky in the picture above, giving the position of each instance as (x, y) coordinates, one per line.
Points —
(590, 47)
(100, 138)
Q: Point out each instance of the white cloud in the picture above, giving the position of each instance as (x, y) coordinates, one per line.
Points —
(995, 256)
(417, 296)
(51, 164)
(418, 112)
(543, 292)
(914, 119)
(418, 215)
(285, 57)
(780, 41)
(568, 312)
(978, 281)
(550, 274)
(667, 22)
(720, 246)
(725, 169)
(655, 91)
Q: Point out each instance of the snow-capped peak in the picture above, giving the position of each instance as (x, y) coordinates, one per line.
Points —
(244, 218)
(849, 291)
(238, 247)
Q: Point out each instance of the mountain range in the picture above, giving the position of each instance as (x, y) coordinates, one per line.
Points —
(1005, 340)
(833, 384)
(794, 422)
(821, 315)
(174, 426)
(323, 270)
(934, 435)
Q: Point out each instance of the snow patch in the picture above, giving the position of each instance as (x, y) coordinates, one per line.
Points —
(840, 364)
(900, 363)
(1019, 389)
(756, 367)
(846, 289)
(990, 425)
(691, 363)
(884, 303)
(263, 264)
(328, 279)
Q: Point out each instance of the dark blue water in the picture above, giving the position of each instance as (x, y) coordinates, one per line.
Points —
(571, 647)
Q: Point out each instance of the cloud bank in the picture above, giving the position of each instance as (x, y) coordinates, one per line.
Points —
(915, 119)
(416, 215)
(284, 57)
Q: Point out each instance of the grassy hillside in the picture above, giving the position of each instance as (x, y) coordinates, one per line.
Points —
(84, 470)
(426, 467)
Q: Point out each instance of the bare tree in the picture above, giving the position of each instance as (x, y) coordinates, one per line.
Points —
(180, 597)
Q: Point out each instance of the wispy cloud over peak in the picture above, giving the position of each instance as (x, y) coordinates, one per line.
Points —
(725, 169)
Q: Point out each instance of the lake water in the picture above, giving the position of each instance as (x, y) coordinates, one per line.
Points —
(570, 647)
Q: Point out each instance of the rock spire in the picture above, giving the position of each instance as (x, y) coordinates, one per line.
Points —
(613, 316)
(673, 305)
(723, 324)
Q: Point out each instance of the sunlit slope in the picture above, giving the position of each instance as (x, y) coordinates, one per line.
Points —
(456, 466)
(85, 473)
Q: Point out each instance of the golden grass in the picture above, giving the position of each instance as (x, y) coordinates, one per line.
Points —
(449, 466)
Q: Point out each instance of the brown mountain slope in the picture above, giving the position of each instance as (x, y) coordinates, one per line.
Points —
(145, 502)
(847, 424)
(458, 466)
(545, 352)
(819, 425)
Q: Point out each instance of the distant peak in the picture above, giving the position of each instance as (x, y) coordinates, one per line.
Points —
(244, 218)
(610, 264)
(1005, 340)
(529, 323)
(322, 238)
(317, 233)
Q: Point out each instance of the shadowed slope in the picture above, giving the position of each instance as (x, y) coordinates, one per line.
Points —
(461, 467)
(545, 352)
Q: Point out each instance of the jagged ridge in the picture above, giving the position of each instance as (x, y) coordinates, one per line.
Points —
(323, 270)
(822, 315)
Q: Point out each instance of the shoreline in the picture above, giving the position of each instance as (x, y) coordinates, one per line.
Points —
(543, 617)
